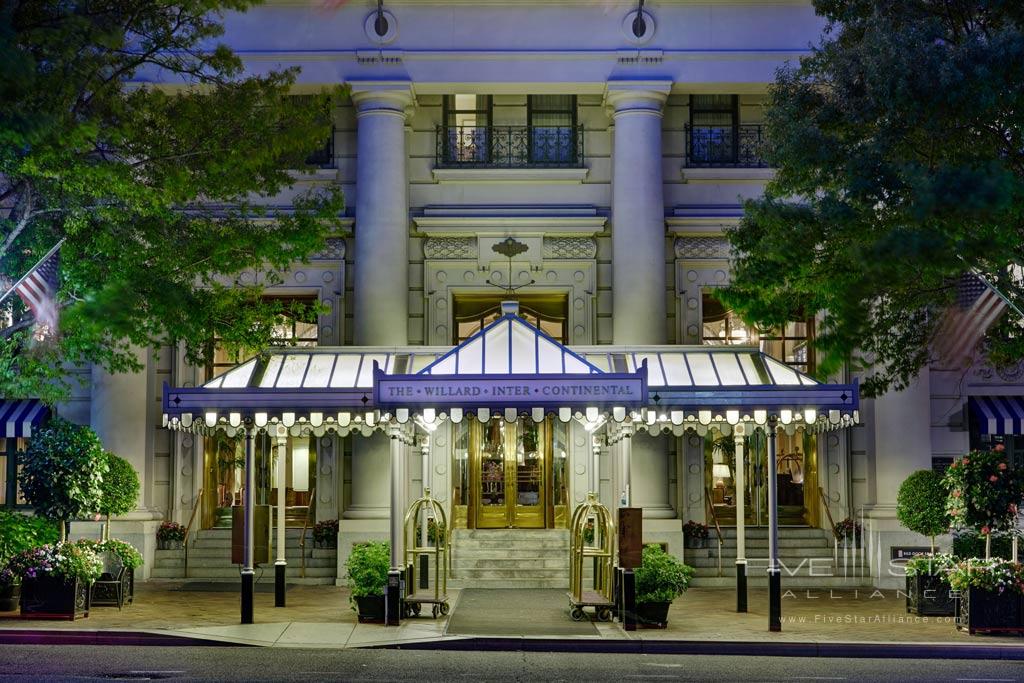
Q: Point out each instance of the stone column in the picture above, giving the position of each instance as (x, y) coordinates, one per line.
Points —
(638, 212)
(649, 480)
(381, 257)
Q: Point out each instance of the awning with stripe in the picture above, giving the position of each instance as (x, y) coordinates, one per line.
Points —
(998, 414)
(22, 417)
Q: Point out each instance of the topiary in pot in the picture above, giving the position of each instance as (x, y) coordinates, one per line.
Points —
(984, 493)
(120, 489)
(921, 504)
(660, 579)
(62, 473)
(368, 566)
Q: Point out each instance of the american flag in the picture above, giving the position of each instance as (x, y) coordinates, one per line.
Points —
(38, 289)
(977, 307)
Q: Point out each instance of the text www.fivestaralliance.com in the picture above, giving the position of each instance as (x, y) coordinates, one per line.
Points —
(866, 619)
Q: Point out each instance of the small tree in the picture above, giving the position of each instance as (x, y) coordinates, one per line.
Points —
(984, 493)
(120, 489)
(921, 504)
(63, 472)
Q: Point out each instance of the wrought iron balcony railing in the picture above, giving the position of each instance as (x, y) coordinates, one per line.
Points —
(725, 146)
(509, 147)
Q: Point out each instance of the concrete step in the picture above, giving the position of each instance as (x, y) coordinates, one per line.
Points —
(534, 573)
(459, 554)
(204, 573)
(788, 532)
(509, 583)
(516, 562)
(226, 553)
(206, 562)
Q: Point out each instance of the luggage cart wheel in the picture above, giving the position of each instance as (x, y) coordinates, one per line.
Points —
(434, 611)
(577, 614)
(444, 608)
(416, 608)
(604, 614)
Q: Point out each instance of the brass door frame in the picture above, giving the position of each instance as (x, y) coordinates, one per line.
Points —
(511, 514)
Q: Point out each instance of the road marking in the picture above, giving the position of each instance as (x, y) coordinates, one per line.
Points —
(667, 666)
(991, 680)
(817, 678)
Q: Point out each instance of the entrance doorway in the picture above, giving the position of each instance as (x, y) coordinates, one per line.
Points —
(510, 474)
(796, 476)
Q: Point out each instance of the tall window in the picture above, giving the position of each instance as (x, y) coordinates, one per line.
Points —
(793, 343)
(297, 325)
(552, 123)
(10, 491)
(714, 122)
(323, 155)
(467, 120)
(546, 312)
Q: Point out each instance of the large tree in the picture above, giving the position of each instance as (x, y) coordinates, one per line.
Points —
(899, 144)
(155, 190)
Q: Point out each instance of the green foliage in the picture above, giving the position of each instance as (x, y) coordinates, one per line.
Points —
(170, 531)
(368, 566)
(130, 556)
(900, 166)
(325, 532)
(931, 565)
(993, 575)
(120, 487)
(921, 504)
(63, 471)
(694, 529)
(661, 577)
(970, 543)
(59, 560)
(156, 192)
(20, 532)
(984, 492)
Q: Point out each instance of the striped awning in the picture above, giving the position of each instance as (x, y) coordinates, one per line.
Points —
(998, 414)
(20, 418)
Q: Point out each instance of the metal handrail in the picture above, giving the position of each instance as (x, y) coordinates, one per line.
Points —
(188, 528)
(725, 146)
(305, 525)
(831, 525)
(718, 529)
(521, 146)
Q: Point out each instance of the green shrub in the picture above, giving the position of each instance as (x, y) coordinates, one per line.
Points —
(661, 577)
(129, 555)
(368, 567)
(921, 504)
(984, 492)
(120, 489)
(20, 532)
(63, 472)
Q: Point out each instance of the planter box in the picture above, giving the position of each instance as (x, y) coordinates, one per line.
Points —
(9, 598)
(168, 545)
(50, 598)
(103, 594)
(988, 612)
(695, 542)
(930, 596)
(370, 609)
(652, 614)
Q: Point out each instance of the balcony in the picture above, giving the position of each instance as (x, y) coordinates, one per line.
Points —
(509, 147)
(725, 146)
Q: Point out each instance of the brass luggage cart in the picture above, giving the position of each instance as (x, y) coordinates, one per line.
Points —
(591, 535)
(426, 533)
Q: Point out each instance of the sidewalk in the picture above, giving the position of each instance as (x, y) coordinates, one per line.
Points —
(703, 620)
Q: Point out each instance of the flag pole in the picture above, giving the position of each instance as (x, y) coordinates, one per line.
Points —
(981, 276)
(31, 270)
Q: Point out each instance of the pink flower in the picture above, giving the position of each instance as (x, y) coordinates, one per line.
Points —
(999, 448)
(985, 531)
(956, 493)
(965, 461)
(1002, 465)
(993, 478)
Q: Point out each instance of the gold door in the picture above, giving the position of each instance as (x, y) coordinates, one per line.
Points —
(509, 474)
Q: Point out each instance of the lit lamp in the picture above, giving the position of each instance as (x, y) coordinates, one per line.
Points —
(720, 472)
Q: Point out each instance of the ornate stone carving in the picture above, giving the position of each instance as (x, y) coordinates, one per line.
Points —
(450, 248)
(702, 247)
(334, 250)
(1009, 373)
(570, 247)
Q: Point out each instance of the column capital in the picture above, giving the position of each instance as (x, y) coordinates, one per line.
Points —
(382, 96)
(636, 96)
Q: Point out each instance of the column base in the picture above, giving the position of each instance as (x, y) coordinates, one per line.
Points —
(248, 594)
(741, 586)
(774, 600)
(393, 598)
(279, 590)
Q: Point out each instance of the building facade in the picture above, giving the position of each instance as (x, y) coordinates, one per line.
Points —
(616, 149)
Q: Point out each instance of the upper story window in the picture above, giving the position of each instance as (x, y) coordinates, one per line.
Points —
(468, 137)
(322, 156)
(716, 138)
(793, 343)
(297, 325)
(549, 313)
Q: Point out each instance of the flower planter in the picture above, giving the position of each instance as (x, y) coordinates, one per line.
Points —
(695, 542)
(168, 545)
(929, 596)
(104, 595)
(989, 612)
(10, 596)
(52, 598)
(652, 614)
(370, 609)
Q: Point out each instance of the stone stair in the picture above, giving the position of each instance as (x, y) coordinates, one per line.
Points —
(805, 555)
(209, 559)
(510, 558)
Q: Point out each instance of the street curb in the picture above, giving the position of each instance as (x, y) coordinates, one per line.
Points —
(135, 638)
(728, 648)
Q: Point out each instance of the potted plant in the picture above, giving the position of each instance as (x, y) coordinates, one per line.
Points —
(62, 472)
(928, 591)
(660, 579)
(55, 579)
(984, 493)
(991, 595)
(695, 534)
(325, 533)
(130, 558)
(19, 532)
(849, 532)
(921, 507)
(119, 489)
(170, 536)
(368, 567)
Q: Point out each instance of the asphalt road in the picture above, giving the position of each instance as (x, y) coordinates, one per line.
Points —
(84, 663)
